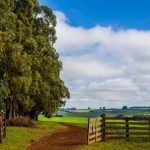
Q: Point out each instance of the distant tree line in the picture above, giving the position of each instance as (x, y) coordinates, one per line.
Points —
(30, 68)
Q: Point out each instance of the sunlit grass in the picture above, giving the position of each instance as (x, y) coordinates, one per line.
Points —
(20, 138)
(72, 120)
(117, 145)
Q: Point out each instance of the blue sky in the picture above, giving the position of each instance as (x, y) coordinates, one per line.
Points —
(105, 49)
(119, 13)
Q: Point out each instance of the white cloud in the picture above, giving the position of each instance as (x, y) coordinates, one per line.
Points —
(87, 67)
(115, 62)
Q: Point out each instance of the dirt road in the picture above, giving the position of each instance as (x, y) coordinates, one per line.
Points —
(63, 139)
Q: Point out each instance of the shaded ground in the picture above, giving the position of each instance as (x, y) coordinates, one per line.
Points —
(63, 139)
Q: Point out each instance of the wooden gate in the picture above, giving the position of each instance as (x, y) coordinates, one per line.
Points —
(2, 125)
(104, 128)
(94, 130)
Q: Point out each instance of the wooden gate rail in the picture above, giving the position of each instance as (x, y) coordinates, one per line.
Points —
(2, 126)
(94, 130)
(104, 128)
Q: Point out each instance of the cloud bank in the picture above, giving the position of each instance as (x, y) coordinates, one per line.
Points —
(104, 66)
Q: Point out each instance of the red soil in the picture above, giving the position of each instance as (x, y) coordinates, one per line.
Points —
(64, 139)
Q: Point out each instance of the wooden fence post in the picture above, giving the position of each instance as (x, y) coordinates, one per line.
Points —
(127, 128)
(149, 129)
(96, 130)
(103, 127)
(88, 130)
(0, 128)
(4, 124)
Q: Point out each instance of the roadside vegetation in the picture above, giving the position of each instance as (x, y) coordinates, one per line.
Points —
(107, 145)
(117, 145)
(20, 138)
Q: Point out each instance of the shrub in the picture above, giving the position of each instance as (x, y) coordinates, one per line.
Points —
(21, 122)
(58, 115)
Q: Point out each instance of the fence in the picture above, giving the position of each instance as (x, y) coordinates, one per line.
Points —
(104, 128)
(2, 126)
(94, 130)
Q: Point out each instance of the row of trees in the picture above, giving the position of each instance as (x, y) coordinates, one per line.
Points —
(30, 68)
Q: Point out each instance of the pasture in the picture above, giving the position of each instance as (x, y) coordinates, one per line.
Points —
(117, 145)
(85, 113)
(107, 145)
(20, 138)
(78, 121)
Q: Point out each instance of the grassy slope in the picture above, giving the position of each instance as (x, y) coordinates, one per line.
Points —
(19, 138)
(108, 145)
(72, 120)
(117, 145)
(95, 113)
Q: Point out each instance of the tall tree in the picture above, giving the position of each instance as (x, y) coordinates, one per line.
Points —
(29, 64)
(15, 63)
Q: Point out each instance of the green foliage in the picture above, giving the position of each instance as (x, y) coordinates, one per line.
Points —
(30, 68)
(21, 122)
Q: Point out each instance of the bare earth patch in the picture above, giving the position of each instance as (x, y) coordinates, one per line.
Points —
(63, 139)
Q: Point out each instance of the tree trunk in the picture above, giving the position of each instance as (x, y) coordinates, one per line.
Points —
(7, 113)
(33, 114)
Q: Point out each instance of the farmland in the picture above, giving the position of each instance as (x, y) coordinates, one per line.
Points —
(85, 113)
(20, 138)
(71, 120)
(107, 145)
(116, 145)
(74, 75)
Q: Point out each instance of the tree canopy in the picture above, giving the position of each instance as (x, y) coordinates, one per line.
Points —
(30, 68)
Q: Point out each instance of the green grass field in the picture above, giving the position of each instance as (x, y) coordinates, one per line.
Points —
(82, 122)
(19, 138)
(85, 113)
(117, 145)
(107, 145)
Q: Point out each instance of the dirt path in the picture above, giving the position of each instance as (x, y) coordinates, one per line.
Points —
(63, 139)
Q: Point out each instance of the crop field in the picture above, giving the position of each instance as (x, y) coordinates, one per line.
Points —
(85, 113)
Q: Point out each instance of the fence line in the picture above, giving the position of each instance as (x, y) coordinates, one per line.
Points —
(115, 128)
(2, 125)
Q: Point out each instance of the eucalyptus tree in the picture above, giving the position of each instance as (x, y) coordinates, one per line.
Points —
(29, 64)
